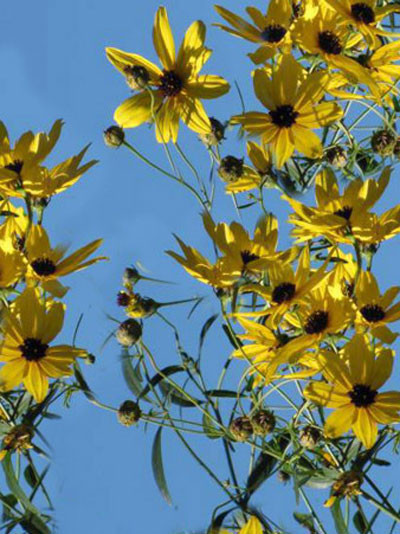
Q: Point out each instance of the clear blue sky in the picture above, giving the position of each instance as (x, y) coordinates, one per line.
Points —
(52, 53)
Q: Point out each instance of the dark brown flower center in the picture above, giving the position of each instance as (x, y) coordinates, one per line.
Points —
(329, 43)
(33, 349)
(44, 266)
(248, 256)
(283, 292)
(363, 13)
(373, 313)
(123, 299)
(362, 395)
(232, 166)
(344, 212)
(284, 116)
(316, 322)
(273, 33)
(15, 166)
(170, 83)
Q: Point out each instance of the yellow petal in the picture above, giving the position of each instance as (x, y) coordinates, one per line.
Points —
(207, 86)
(365, 428)
(121, 60)
(193, 114)
(163, 39)
(137, 109)
(36, 382)
(340, 421)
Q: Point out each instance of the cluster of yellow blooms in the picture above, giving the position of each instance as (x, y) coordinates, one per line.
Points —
(331, 321)
(32, 313)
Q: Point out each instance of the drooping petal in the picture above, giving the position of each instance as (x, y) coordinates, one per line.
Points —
(193, 114)
(137, 109)
(365, 428)
(36, 382)
(340, 421)
(326, 395)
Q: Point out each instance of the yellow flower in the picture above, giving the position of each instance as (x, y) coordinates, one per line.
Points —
(372, 229)
(16, 223)
(28, 329)
(21, 172)
(243, 255)
(271, 31)
(259, 176)
(326, 34)
(264, 348)
(376, 310)
(12, 266)
(201, 268)
(287, 288)
(45, 264)
(336, 216)
(253, 526)
(342, 277)
(172, 93)
(20, 163)
(294, 110)
(364, 16)
(352, 388)
(379, 64)
(319, 315)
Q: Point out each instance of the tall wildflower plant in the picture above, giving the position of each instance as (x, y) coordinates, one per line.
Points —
(311, 326)
(37, 370)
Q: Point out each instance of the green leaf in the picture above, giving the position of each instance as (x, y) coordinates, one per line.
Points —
(30, 476)
(204, 331)
(226, 393)
(83, 385)
(263, 467)
(19, 493)
(210, 430)
(360, 523)
(131, 376)
(158, 468)
(305, 520)
(338, 518)
(378, 461)
(9, 502)
(178, 398)
(159, 377)
(235, 342)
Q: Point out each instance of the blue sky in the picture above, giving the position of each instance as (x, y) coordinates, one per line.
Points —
(54, 66)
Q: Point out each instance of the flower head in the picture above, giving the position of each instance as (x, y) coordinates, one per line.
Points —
(352, 389)
(173, 92)
(294, 110)
(28, 329)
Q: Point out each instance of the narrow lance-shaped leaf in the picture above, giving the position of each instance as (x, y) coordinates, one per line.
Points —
(158, 468)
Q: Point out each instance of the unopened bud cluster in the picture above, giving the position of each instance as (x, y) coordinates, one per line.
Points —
(260, 423)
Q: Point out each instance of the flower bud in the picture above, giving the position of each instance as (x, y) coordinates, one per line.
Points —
(19, 438)
(396, 150)
(309, 437)
(231, 169)
(129, 413)
(140, 307)
(137, 77)
(216, 135)
(263, 422)
(130, 277)
(383, 142)
(241, 428)
(114, 136)
(336, 156)
(129, 333)
(347, 485)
